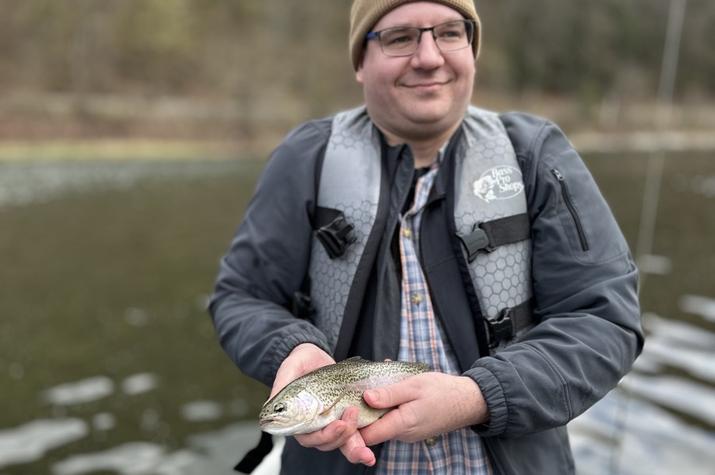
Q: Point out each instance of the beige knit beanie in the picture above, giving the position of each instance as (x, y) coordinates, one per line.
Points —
(366, 13)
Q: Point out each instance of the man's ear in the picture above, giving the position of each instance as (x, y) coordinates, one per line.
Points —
(359, 74)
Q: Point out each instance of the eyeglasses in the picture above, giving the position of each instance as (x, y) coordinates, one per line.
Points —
(404, 40)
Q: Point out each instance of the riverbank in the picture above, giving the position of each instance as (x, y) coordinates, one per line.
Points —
(117, 127)
(114, 149)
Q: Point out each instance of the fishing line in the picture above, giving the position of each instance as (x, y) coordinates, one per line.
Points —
(651, 192)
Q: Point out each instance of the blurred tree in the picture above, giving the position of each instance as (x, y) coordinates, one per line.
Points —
(157, 43)
(270, 57)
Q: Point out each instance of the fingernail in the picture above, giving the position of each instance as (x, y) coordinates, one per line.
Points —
(372, 395)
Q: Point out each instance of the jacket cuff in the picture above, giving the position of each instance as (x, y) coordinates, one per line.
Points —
(496, 402)
(283, 347)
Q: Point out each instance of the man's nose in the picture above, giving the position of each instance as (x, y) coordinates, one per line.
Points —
(428, 54)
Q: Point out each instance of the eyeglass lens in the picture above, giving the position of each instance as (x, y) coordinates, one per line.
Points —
(450, 36)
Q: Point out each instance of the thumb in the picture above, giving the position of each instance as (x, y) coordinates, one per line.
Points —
(390, 396)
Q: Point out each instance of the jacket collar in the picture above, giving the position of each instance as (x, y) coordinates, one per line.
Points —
(446, 169)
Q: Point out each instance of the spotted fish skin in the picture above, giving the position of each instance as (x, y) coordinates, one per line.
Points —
(312, 401)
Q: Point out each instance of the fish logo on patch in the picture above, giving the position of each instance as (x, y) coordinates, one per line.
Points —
(498, 183)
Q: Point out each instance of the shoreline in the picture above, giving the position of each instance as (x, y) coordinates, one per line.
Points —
(129, 149)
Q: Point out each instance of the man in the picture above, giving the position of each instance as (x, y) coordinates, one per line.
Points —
(420, 228)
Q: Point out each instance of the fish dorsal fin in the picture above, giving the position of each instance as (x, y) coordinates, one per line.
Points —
(353, 359)
(335, 403)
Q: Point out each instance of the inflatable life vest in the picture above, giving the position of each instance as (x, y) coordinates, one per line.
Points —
(489, 215)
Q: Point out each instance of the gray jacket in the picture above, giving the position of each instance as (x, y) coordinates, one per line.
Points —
(584, 286)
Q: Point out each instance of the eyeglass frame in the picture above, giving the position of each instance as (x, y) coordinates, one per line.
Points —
(371, 35)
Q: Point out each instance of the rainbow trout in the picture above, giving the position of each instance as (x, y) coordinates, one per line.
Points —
(314, 400)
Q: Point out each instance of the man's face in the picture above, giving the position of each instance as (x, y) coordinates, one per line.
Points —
(421, 96)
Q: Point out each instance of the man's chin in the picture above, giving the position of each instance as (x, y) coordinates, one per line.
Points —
(428, 115)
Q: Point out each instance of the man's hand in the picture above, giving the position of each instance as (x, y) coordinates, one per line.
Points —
(302, 360)
(425, 405)
(341, 434)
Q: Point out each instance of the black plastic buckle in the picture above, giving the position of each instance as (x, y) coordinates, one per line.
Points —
(501, 328)
(302, 306)
(476, 241)
(336, 236)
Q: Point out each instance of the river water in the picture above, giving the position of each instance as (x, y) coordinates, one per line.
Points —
(113, 405)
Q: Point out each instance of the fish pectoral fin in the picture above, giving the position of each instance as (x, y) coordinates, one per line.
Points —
(335, 403)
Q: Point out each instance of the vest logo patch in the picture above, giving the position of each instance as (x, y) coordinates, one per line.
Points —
(498, 183)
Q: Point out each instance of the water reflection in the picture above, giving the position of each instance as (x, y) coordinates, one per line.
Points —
(138, 458)
(139, 383)
(87, 390)
(30, 182)
(631, 432)
(678, 345)
(201, 411)
(103, 421)
(697, 305)
(659, 265)
(98, 387)
(31, 441)
(632, 437)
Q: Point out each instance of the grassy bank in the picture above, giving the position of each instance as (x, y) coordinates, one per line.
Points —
(115, 149)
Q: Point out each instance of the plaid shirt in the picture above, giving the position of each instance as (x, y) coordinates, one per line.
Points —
(421, 339)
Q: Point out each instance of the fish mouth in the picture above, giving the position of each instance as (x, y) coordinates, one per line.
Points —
(276, 428)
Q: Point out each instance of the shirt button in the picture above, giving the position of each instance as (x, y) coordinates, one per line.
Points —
(431, 442)
(416, 298)
(406, 232)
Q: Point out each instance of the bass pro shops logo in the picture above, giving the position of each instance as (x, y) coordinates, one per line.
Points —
(498, 183)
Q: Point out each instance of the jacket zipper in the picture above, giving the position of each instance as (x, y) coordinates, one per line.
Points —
(572, 209)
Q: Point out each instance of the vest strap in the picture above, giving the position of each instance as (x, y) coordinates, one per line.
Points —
(509, 321)
(487, 236)
(302, 305)
(253, 458)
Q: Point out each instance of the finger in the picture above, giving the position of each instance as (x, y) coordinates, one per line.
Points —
(392, 395)
(356, 451)
(323, 437)
(350, 417)
(388, 427)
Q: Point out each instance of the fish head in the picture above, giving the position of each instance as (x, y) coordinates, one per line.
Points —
(295, 410)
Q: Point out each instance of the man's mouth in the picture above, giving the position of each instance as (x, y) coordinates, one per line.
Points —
(425, 85)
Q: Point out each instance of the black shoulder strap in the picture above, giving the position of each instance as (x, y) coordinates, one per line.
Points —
(255, 456)
(301, 305)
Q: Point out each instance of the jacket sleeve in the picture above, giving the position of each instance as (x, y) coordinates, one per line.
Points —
(585, 288)
(268, 259)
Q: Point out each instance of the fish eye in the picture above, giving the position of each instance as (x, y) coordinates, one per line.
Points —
(280, 407)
